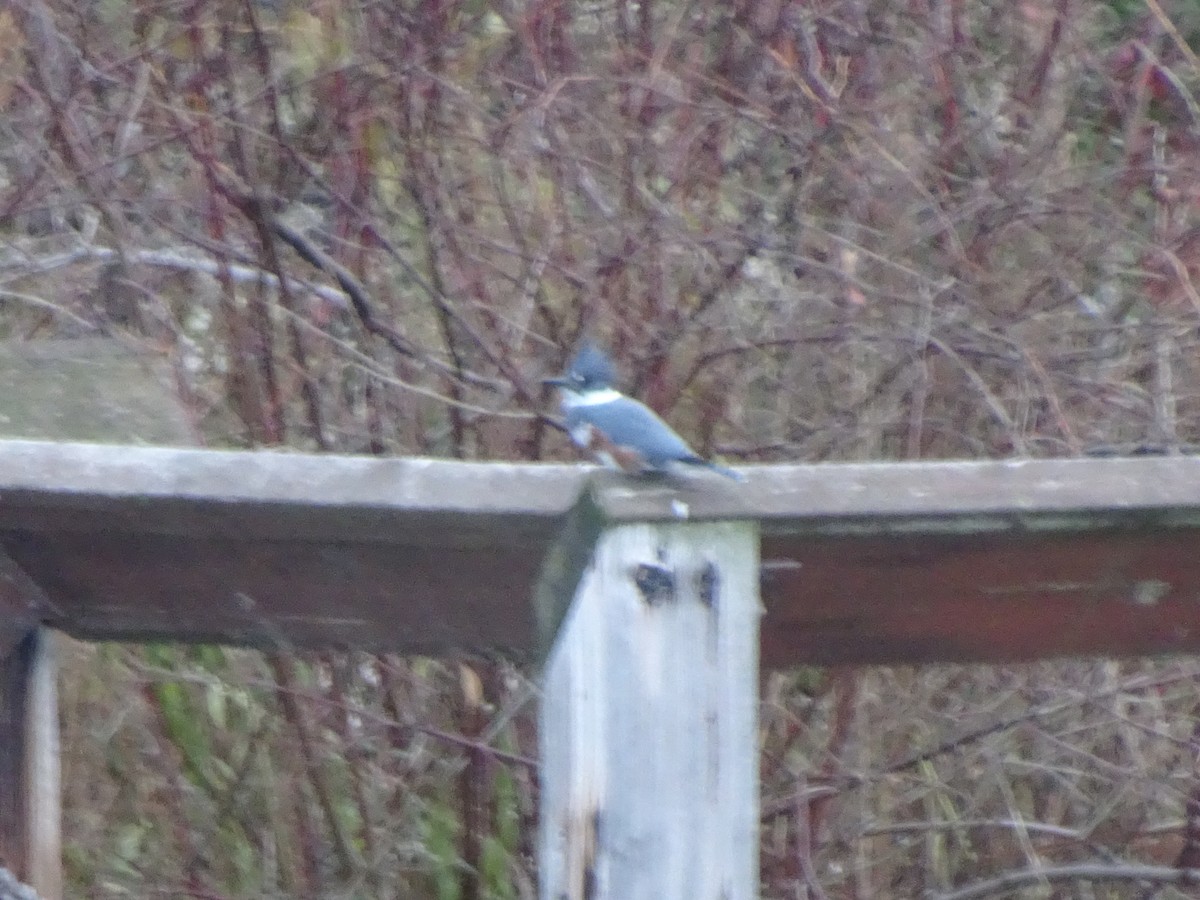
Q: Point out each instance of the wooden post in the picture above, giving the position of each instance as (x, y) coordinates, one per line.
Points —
(649, 751)
(30, 827)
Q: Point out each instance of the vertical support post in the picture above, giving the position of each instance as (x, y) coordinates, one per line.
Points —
(649, 750)
(30, 790)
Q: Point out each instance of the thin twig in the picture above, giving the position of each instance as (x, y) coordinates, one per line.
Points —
(1009, 881)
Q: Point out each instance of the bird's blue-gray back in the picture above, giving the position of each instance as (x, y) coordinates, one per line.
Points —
(627, 422)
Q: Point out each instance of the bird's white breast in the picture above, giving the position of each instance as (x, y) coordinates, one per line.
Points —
(581, 434)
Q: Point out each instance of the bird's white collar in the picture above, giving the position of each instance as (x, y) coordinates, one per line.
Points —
(572, 399)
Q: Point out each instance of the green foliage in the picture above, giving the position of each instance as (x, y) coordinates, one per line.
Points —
(183, 724)
(1126, 11)
(501, 847)
(440, 833)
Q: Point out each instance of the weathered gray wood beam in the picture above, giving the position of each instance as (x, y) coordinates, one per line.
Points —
(649, 752)
(276, 549)
(889, 562)
(962, 561)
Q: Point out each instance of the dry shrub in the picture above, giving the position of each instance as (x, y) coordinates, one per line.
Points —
(840, 229)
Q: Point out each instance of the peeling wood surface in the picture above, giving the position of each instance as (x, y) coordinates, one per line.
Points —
(649, 744)
(961, 561)
(43, 772)
(276, 549)
(53, 486)
(369, 595)
(994, 597)
(912, 562)
(952, 497)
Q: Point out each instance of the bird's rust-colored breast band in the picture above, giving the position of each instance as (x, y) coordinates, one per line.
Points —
(606, 451)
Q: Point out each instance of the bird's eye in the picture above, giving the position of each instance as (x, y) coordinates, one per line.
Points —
(577, 378)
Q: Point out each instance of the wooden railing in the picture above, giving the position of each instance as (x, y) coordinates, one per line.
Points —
(641, 599)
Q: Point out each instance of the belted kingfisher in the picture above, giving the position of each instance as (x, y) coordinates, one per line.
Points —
(621, 432)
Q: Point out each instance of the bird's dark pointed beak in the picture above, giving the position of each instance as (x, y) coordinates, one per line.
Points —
(558, 381)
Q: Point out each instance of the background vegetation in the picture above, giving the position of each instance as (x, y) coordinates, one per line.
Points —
(812, 230)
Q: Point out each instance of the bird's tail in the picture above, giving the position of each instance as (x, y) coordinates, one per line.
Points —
(722, 470)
